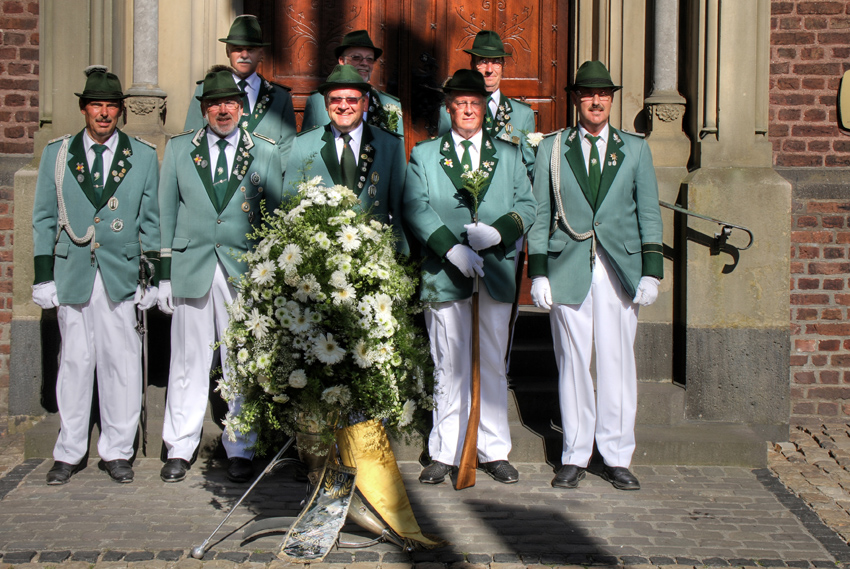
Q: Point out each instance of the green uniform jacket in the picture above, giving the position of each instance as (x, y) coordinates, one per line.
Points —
(195, 232)
(512, 123)
(626, 216)
(315, 113)
(272, 116)
(381, 171)
(125, 220)
(436, 209)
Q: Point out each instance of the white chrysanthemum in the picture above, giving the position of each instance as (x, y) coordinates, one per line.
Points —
(343, 295)
(364, 308)
(383, 353)
(395, 360)
(534, 138)
(279, 301)
(383, 305)
(263, 273)
(257, 324)
(285, 318)
(237, 309)
(348, 237)
(369, 233)
(298, 379)
(280, 313)
(337, 395)
(290, 258)
(327, 350)
(361, 355)
(264, 249)
(338, 279)
(280, 398)
(242, 356)
(267, 294)
(308, 287)
(316, 317)
(264, 361)
(382, 273)
(300, 323)
(407, 413)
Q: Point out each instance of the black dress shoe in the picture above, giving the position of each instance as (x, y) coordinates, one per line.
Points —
(500, 471)
(60, 473)
(119, 470)
(620, 478)
(435, 473)
(240, 470)
(174, 470)
(568, 476)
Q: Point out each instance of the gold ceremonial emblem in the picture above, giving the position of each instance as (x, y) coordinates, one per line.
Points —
(375, 177)
(112, 203)
(245, 207)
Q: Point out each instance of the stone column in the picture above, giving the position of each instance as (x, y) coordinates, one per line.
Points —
(146, 101)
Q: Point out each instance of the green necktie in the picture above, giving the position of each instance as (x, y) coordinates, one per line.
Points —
(488, 116)
(594, 169)
(221, 174)
(466, 160)
(348, 164)
(97, 170)
(246, 106)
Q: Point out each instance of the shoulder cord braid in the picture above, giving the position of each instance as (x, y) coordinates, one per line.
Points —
(60, 199)
(560, 215)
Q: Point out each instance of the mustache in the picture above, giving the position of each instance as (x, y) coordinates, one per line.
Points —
(244, 60)
(596, 107)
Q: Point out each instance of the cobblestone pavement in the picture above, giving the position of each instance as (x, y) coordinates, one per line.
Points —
(683, 516)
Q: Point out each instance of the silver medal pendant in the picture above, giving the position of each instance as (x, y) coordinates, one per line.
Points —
(112, 203)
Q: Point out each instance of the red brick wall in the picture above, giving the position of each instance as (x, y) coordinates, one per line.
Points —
(820, 299)
(18, 75)
(810, 51)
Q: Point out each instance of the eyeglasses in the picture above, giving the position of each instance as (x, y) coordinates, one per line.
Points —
(230, 105)
(603, 94)
(494, 62)
(357, 59)
(465, 104)
(350, 100)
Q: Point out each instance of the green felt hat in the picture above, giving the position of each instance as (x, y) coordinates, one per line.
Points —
(245, 30)
(101, 85)
(344, 77)
(466, 80)
(357, 38)
(219, 83)
(593, 75)
(487, 43)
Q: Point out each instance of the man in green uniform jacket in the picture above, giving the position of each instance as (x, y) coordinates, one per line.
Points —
(382, 109)
(210, 191)
(266, 107)
(378, 168)
(441, 212)
(595, 255)
(93, 218)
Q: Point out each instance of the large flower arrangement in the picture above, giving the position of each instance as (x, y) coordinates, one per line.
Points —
(321, 331)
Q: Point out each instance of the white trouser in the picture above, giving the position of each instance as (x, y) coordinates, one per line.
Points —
(607, 317)
(450, 331)
(98, 334)
(196, 325)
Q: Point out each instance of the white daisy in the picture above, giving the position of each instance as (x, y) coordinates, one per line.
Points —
(348, 237)
(290, 258)
(327, 350)
(407, 413)
(263, 273)
(361, 355)
(257, 324)
(343, 295)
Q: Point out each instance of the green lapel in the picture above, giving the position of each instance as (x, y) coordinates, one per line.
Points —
(241, 163)
(613, 160)
(575, 159)
(265, 96)
(201, 158)
(78, 164)
(330, 157)
(450, 162)
(118, 169)
(366, 158)
(377, 114)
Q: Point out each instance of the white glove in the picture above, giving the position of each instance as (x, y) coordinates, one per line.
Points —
(541, 293)
(482, 236)
(147, 298)
(647, 291)
(466, 260)
(44, 295)
(164, 299)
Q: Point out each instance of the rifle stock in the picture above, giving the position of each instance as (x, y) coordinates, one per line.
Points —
(469, 454)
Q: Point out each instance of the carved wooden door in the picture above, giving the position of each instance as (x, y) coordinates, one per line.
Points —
(422, 42)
